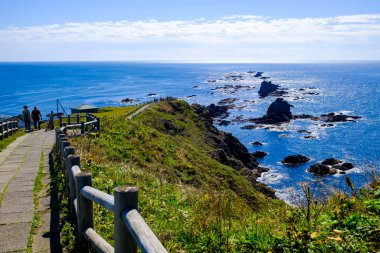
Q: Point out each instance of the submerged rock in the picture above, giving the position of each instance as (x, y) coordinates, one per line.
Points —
(295, 160)
(256, 143)
(227, 101)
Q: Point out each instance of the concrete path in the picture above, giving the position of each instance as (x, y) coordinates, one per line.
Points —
(19, 164)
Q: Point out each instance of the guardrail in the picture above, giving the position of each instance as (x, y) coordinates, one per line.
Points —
(130, 229)
(7, 128)
(91, 120)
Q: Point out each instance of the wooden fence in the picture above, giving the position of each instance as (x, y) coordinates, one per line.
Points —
(130, 229)
(7, 128)
(77, 122)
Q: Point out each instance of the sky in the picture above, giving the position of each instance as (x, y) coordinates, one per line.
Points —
(190, 31)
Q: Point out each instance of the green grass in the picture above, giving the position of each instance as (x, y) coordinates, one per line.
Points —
(38, 186)
(194, 203)
(5, 142)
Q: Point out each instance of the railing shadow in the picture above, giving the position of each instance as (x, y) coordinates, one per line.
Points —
(54, 231)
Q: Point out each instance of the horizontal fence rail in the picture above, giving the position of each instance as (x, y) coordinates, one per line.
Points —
(76, 121)
(7, 128)
(130, 229)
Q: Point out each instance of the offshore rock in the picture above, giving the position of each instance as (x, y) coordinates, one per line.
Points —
(332, 117)
(320, 169)
(278, 112)
(267, 87)
(259, 154)
(293, 160)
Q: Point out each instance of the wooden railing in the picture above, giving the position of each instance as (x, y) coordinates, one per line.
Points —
(7, 128)
(77, 122)
(130, 229)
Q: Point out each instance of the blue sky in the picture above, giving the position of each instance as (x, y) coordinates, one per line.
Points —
(207, 31)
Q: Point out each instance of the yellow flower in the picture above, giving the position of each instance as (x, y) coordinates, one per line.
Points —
(313, 235)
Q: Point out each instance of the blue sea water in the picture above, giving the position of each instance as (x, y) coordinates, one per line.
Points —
(350, 87)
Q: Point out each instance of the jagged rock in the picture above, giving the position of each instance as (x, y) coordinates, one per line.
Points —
(310, 137)
(280, 107)
(305, 116)
(331, 161)
(267, 87)
(235, 148)
(304, 131)
(129, 100)
(344, 166)
(227, 101)
(278, 112)
(259, 154)
(332, 117)
(320, 169)
(211, 111)
(224, 123)
(295, 160)
(258, 74)
(262, 169)
(249, 127)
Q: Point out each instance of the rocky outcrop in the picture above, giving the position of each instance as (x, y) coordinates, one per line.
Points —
(259, 154)
(227, 101)
(129, 100)
(330, 166)
(267, 87)
(331, 161)
(212, 111)
(333, 117)
(320, 169)
(293, 160)
(278, 112)
(258, 74)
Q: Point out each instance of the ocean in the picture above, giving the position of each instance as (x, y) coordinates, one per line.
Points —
(351, 88)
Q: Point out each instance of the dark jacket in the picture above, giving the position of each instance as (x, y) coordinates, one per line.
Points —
(36, 114)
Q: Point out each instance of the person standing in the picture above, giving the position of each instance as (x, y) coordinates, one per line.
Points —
(26, 118)
(36, 116)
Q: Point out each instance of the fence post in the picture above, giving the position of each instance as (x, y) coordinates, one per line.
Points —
(98, 124)
(59, 144)
(85, 208)
(6, 130)
(125, 198)
(81, 127)
(64, 143)
(77, 118)
(72, 160)
(69, 150)
(1, 131)
(9, 126)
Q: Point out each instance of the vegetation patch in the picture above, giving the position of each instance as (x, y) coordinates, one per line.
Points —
(197, 202)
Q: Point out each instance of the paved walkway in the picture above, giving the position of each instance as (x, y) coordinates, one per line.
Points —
(19, 164)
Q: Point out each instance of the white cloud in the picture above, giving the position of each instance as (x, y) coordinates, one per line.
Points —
(226, 33)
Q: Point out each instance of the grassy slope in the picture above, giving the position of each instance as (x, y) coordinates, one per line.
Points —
(196, 204)
(190, 199)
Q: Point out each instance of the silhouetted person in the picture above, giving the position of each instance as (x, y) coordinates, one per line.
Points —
(36, 116)
(26, 118)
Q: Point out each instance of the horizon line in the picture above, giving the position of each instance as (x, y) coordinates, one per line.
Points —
(193, 62)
